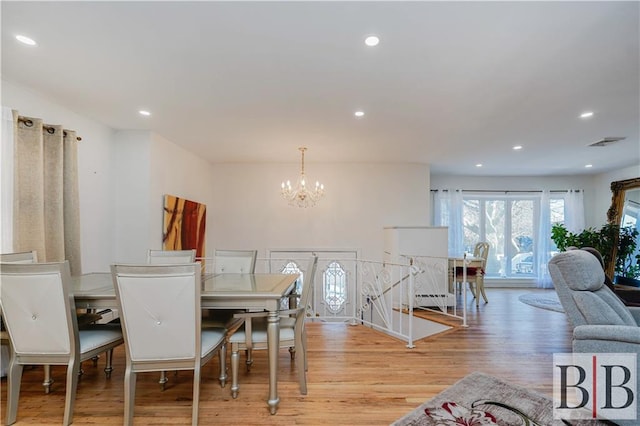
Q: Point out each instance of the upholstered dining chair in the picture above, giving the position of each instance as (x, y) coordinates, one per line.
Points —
(38, 308)
(235, 261)
(21, 257)
(84, 318)
(475, 275)
(253, 335)
(169, 257)
(229, 262)
(160, 312)
(166, 257)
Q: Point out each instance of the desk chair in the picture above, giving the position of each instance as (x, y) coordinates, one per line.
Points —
(160, 311)
(38, 307)
(292, 332)
(475, 275)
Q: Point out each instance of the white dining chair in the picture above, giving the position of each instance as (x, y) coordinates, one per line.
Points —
(161, 321)
(38, 309)
(84, 318)
(166, 257)
(227, 261)
(169, 257)
(253, 335)
(235, 261)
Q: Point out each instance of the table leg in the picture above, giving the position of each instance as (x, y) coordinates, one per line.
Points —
(273, 345)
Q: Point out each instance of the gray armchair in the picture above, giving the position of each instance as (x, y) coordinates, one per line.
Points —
(601, 321)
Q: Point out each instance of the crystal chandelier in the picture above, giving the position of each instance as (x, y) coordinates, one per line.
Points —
(300, 195)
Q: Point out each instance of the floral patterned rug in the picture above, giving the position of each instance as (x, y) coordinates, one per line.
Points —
(479, 399)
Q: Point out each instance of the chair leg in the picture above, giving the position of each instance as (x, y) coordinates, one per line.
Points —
(222, 355)
(196, 395)
(109, 368)
(235, 366)
(304, 349)
(249, 354)
(48, 381)
(129, 394)
(163, 380)
(300, 365)
(14, 379)
(480, 286)
(72, 386)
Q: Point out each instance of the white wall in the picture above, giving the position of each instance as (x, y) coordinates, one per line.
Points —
(175, 171)
(360, 200)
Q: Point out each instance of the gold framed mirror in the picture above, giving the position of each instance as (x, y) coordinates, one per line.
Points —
(619, 191)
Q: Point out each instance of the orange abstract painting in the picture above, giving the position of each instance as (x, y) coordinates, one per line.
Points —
(184, 225)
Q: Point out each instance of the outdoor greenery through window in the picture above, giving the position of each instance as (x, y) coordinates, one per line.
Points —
(510, 224)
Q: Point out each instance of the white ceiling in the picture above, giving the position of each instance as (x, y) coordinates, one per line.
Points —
(451, 84)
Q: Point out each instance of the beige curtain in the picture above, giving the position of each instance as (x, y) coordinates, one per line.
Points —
(46, 213)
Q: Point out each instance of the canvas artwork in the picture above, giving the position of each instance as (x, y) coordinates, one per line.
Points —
(184, 225)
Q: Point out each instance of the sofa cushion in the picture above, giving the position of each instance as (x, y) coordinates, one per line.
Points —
(602, 309)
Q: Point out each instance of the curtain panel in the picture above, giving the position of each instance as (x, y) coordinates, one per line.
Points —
(46, 213)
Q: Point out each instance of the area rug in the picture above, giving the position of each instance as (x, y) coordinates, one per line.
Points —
(480, 399)
(549, 301)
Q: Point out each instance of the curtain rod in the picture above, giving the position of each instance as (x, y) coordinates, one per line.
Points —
(508, 191)
(29, 123)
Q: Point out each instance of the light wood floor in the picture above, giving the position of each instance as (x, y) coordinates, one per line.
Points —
(356, 376)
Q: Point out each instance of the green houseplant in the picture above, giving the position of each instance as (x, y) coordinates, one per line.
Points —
(627, 263)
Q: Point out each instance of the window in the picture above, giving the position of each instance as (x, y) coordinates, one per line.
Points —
(509, 223)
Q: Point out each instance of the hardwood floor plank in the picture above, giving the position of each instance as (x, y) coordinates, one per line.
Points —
(356, 376)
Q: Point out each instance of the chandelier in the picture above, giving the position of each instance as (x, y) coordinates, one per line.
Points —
(300, 195)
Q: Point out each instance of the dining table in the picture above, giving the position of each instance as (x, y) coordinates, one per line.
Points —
(255, 292)
(465, 262)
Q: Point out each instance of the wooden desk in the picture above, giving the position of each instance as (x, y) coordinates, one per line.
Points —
(468, 262)
(219, 291)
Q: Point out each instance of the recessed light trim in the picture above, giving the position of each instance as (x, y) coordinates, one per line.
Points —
(359, 114)
(26, 40)
(588, 166)
(372, 40)
(586, 114)
(144, 112)
(517, 147)
(479, 165)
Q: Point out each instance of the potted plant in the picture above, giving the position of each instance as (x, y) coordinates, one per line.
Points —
(627, 263)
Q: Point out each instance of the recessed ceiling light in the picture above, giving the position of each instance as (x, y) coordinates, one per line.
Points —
(26, 40)
(371, 40)
(359, 113)
(145, 113)
(586, 114)
(588, 166)
(479, 165)
(517, 147)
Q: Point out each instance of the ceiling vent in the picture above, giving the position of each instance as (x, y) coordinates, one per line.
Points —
(607, 141)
